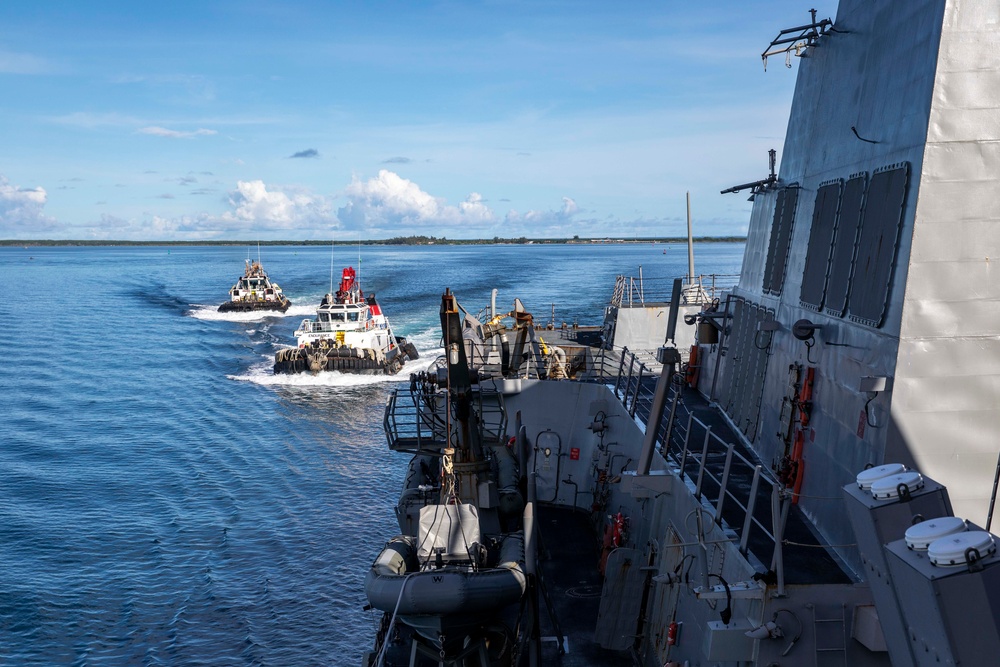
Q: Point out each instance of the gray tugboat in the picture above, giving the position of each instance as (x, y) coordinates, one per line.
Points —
(255, 291)
(784, 491)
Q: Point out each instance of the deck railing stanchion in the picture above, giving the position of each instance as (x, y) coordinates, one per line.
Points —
(621, 371)
(635, 398)
(701, 464)
(751, 506)
(723, 483)
(687, 440)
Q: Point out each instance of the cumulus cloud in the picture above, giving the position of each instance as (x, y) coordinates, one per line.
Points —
(391, 202)
(21, 209)
(564, 214)
(309, 152)
(276, 208)
(174, 134)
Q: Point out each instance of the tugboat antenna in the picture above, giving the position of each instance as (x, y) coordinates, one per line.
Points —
(333, 242)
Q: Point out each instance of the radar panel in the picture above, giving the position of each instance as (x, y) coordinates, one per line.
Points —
(824, 227)
(845, 241)
(878, 244)
(781, 236)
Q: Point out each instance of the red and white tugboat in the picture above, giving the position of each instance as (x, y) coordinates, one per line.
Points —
(350, 334)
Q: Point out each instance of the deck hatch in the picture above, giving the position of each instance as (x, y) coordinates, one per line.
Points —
(845, 243)
(878, 245)
(820, 249)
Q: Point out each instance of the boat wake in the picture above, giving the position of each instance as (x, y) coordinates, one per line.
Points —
(209, 312)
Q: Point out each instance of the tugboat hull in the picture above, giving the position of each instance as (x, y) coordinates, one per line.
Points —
(361, 361)
(253, 306)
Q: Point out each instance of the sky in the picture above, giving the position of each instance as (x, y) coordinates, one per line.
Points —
(306, 120)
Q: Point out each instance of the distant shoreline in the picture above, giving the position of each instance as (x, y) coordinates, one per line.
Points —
(408, 241)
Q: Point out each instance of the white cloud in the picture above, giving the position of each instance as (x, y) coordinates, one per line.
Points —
(391, 202)
(277, 208)
(21, 209)
(538, 218)
(174, 134)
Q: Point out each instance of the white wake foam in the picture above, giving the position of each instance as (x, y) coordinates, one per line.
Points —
(202, 312)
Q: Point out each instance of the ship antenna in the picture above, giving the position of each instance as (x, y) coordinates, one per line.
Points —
(258, 251)
(332, 243)
(359, 262)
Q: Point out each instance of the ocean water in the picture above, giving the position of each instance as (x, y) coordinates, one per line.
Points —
(166, 500)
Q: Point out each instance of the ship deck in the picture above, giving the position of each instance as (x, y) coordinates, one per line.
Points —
(568, 561)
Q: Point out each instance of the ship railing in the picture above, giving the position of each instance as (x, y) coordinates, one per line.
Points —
(632, 291)
(413, 420)
(742, 494)
(739, 490)
(631, 375)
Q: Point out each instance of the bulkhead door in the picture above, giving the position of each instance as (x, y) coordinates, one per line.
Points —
(548, 454)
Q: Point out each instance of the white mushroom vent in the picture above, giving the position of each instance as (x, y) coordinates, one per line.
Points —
(866, 477)
(919, 536)
(954, 550)
(890, 487)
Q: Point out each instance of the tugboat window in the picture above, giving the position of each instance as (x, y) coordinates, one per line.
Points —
(781, 235)
(824, 227)
(845, 241)
(336, 317)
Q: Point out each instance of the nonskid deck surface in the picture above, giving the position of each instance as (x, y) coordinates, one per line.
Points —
(568, 559)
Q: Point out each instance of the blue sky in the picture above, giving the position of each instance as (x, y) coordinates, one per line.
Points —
(310, 120)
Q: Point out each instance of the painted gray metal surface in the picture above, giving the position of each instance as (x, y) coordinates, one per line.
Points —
(946, 396)
(938, 342)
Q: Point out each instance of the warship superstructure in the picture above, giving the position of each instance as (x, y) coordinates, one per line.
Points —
(811, 482)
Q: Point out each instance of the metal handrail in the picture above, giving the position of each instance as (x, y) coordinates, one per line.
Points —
(759, 476)
(702, 288)
(675, 439)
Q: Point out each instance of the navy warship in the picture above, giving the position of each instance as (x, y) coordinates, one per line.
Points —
(802, 469)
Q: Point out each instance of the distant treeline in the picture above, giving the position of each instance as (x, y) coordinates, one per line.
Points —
(399, 240)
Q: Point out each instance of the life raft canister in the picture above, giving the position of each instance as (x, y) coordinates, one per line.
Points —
(691, 375)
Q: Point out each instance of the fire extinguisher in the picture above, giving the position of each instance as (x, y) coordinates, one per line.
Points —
(672, 633)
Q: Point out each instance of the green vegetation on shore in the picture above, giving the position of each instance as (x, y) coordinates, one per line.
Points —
(400, 240)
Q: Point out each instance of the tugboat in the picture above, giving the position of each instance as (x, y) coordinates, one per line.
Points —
(350, 334)
(255, 291)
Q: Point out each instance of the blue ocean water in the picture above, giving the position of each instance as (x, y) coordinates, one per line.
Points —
(166, 500)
